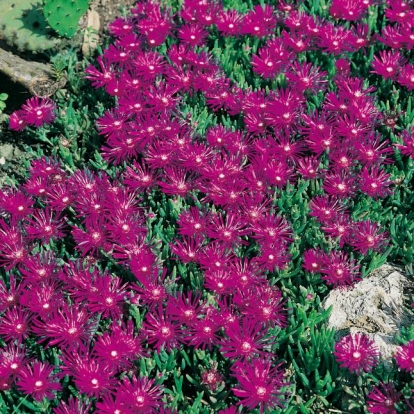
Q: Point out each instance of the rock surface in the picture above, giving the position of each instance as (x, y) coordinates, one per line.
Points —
(375, 306)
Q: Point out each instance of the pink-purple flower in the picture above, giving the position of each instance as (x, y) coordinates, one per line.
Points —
(357, 353)
(260, 384)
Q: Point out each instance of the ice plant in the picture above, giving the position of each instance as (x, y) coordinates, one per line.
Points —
(246, 159)
(357, 353)
(140, 395)
(383, 399)
(37, 380)
(35, 112)
(405, 357)
(259, 384)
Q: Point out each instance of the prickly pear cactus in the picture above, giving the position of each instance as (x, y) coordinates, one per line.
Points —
(63, 15)
(23, 26)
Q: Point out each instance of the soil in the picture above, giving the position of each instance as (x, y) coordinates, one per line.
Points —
(108, 10)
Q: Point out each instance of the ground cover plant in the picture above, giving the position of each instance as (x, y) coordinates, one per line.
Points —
(196, 191)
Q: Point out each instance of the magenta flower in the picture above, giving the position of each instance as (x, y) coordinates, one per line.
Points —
(73, 406)
(382, 399)
(44, 225)
(214, 256)
(107, 405)
(308, 168)
(375, 182)
(343, 67)
(260, 22)
(313, 260)
(15, 202)
(121, 26)
(372, 151)
(42, 298)
(388, 64)
(140, 177)
(205, 12)
(203, 333)
(245, 273)
(193, 34)
(335, 39)
(185, 308)
(12, 360)
(273, 256)
(227, 230)
(178, 182)
(229, 23)
(39, 267)
(325, 208)
(408, 147)
(112, 123)
(161, 99)
(123, 226)
(195, 156)
(245, 340)
(93, 239)
(339, 228)
(306, 77)
(37, 381)
(263, 303)
(356, 353)
(406, 77)
(350, 10)
(405, 356)
(159, 155)
(153, 23)
(37, 112)
(15, 324)
(152, 292)
(17, 121)
(161, 331)
(140, 395)
(398, 11)
(91, 376)
(117, 55)
(219, 281)
(271, 228)
(148, 65)
(101, 78)
(341, 185)
(113, 351)
(284, 108)
(260, 384)
(338, 270)
(107, 296)
(229, 410)
(192, 222)
(13, 251)
(67, 326)
(265, 65)
(367, 236)
(10, 297)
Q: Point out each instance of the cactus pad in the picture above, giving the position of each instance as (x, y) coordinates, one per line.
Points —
(23, 26)
(63, 15)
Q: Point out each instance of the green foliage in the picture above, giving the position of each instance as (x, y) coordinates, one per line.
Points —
(63, 15)
(23, 26)
(3, 98)
(317, 384)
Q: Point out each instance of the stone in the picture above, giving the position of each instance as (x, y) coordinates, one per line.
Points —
(91, 34)
(376, 306)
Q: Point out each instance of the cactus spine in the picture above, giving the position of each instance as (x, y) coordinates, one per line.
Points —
(63, 15)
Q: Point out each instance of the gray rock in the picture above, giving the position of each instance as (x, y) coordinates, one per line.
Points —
(375, 306)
